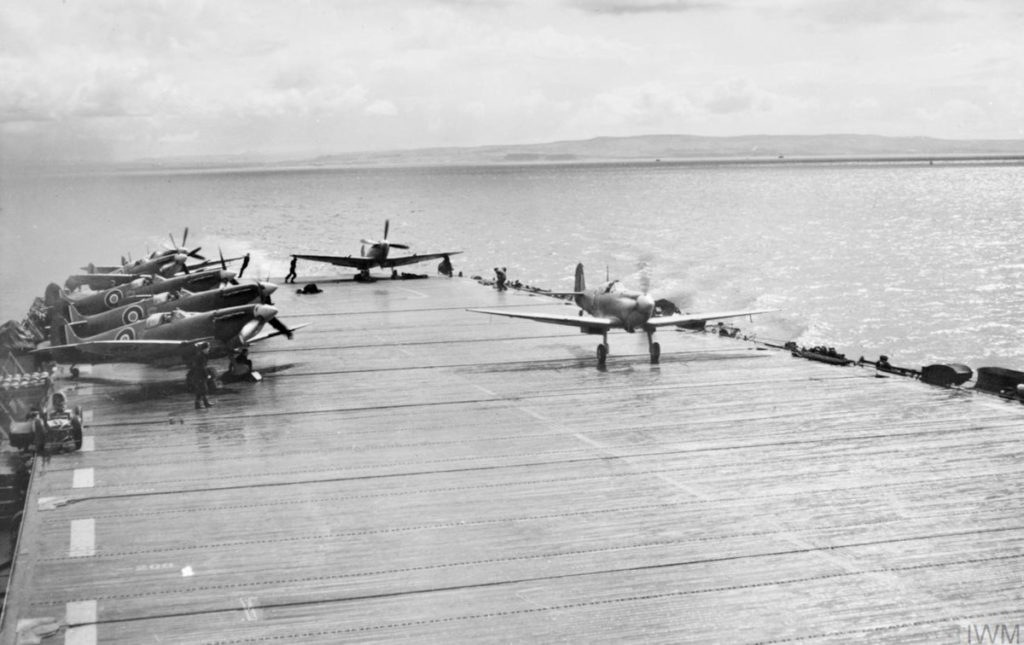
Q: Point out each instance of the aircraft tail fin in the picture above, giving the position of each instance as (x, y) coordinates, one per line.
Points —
(580, 286)
(70, 337)
(74, 314)
(57, 333)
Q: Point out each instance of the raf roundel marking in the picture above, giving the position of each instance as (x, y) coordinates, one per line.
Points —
(113, 297)
(125, 334)
(132, 314)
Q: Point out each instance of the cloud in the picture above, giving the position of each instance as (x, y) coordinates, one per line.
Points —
(381, 108)
(621, 7)
(146, 77)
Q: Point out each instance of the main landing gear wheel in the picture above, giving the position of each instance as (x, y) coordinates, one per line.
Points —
(655, 353)
(602, 354)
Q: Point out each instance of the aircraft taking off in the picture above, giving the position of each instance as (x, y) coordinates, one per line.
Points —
(613, 306)
(377, 255)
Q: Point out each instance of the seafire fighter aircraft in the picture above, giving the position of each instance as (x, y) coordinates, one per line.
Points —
(91, 303)
(162, 265)
(612, 306)
(168, 262)
(167, 338)
(376, 255)
(226, 296)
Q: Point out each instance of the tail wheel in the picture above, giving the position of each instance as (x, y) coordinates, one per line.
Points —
(655, 353)
(602, 354)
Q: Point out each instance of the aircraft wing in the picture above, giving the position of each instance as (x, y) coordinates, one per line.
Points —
(98, 281)
(116, 351)
(589, 323)
(342, 261)
(689, 319)
(415, 259)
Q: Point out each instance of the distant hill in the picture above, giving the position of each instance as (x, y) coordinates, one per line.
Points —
(649, 148)
(686, 147)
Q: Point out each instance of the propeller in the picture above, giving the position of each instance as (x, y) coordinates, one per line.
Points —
(644, 269)
(675, 302)
(224, 268)
(262, 314)
(383, 242)
(645, 303)
(194, 253)
(266, 289)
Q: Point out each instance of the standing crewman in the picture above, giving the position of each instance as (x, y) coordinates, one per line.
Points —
(197, 373)
(291, 271)
(445, 267)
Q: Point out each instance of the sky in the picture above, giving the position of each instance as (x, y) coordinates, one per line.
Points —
(120, 80)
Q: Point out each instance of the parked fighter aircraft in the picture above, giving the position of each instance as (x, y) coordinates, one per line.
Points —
(168, 338)
(612, 306)
(163, 264)
(91, 303)
(167, 262)
(376, 255)
(226, 296)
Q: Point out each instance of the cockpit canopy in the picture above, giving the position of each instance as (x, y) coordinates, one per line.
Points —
(155, 320)
(166, 296)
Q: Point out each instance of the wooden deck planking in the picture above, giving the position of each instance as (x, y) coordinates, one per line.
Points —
(410, 471)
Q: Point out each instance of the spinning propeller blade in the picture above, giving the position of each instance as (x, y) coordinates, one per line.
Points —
(224, 269)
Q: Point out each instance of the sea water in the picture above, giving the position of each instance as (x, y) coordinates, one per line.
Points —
(917, 261)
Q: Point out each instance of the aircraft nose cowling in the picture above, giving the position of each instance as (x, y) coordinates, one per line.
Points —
(261, 315)
(265, 312)
(641, 313)
(645, 305)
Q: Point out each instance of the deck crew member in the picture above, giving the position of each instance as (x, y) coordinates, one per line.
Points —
(291, 271)
(197, 373)
(445, 267)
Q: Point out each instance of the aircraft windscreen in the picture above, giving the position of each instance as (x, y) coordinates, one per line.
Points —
(162, 319)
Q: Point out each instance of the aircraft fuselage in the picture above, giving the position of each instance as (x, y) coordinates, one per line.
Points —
(229, 296)
(631, 309)
(93, 303)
